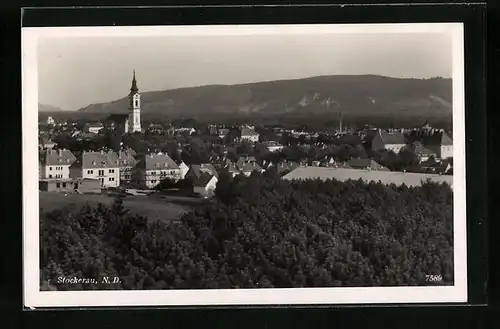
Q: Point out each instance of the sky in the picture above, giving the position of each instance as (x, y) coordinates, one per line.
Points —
(74, 72)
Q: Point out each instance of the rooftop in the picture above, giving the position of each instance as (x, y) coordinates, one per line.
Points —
(158, 161)
(56, 157)
(97, 160)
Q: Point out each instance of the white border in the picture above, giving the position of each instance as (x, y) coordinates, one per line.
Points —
(33, 297)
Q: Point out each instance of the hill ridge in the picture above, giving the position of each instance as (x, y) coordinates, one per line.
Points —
(354, 94)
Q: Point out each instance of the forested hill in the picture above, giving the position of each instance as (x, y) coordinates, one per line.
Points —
(350, 94)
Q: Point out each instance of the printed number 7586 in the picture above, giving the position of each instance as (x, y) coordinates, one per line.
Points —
(433, 278)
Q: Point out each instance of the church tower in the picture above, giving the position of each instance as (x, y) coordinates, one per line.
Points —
(134, 109)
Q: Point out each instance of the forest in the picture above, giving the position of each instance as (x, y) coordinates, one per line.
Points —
(259, 232)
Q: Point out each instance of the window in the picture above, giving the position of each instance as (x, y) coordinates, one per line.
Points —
(64, 185)
(111, 171)
(50, 176)
(136, 103)
(101, 172)
(58, 185)
(111, 179)
(50, 168)
(90, 171)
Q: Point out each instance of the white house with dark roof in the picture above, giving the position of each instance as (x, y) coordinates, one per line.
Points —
(198, 170)
(440, 143)
(55, 164)
(97, 165)
(93, 128)
(391, 140)
(205, 185)
(248, 134)
(184, 168)
(151, 169)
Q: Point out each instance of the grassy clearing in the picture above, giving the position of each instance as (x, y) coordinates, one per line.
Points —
(152, 207)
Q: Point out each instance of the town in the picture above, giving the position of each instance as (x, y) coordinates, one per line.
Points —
(126, 153)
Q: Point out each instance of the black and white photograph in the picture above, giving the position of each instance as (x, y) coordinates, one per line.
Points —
(244, 165)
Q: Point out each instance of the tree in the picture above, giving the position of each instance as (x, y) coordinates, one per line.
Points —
(260, 231)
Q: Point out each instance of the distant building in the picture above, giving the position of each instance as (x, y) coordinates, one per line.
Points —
(55, 164)
(205, 185)
(184, 168)
(70, 185)
(222, 132)
(153, 168)
(156, 128)
(286, 166)
(248, 133)
(50, 121)
(228, 167)
(440, 143)
(93, 128)
(273, 146)
(134, 110)
(44, 142)
(129, 122)
(392, 140)
(196, 171)
(247, 165)
(102, 165)
(127, 163)
(423, 154)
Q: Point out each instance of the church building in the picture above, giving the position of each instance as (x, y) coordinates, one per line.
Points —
(131, 121)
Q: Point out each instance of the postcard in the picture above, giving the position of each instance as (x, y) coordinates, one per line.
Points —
(244, 165)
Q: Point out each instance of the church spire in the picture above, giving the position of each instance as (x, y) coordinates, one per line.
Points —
(134, 88)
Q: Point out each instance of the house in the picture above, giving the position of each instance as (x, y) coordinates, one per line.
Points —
(55, 164)
(228, 167)
(248, 134)
(93, 128)
(196, 171)
(127, 163)
(184, 168)
(247, 168)
(366, 164)
(440, 143)
(153, 168)
(273, 146)
(328, 162)
(50, 121)
(243, 160)
(156, 128)
(286, 166)
(103, 166)
(391, 140)
(205, 185)
(44, 142)
(423, 154)
(69, 185)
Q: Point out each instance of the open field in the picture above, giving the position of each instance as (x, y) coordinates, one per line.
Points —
(152, 207)
(385, 177)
